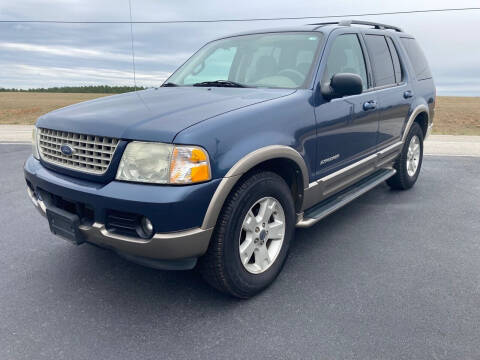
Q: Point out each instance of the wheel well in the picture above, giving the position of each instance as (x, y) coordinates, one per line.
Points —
(422, 120)
(289, 171)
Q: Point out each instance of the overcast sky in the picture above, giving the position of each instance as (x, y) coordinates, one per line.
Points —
(45, 55)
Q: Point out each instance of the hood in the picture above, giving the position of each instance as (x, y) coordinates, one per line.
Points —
(153, 114)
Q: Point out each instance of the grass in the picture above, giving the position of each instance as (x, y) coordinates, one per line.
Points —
(453, 115)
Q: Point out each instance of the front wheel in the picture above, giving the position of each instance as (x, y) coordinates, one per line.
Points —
(409, 162)
(252, 236)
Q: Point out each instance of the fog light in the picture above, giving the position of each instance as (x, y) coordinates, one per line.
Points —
(146, 228)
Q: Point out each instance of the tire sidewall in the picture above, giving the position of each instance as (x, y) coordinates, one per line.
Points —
(271, 185)
(415, 130)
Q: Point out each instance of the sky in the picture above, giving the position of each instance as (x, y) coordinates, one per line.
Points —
(46, 55)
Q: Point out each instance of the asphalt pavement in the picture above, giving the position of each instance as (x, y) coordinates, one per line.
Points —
(393, 275)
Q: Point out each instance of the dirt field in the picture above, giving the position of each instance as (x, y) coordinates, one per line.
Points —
(457, 116)
(454, 115)
(25, 108)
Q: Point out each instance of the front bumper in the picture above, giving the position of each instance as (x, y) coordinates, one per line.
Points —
(176, 212)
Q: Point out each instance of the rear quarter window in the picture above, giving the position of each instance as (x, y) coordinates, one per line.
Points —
(417, 58)
(396, 61)
(382, 63)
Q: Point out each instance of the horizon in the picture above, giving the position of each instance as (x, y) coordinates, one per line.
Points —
(139, 88)
(51, 55)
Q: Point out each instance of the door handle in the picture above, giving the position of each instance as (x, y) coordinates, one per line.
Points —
(408, 94)
(370, 105)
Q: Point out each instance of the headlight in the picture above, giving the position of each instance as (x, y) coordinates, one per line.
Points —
(35, 153)
(163, 163)
(146, 162)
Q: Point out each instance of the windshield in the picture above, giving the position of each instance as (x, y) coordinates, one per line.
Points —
(273, 60)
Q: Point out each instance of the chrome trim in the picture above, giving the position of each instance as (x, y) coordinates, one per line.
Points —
(390, 148)
(385, 87)
(322, 188)
(339, 180)
(307, 222)
(241, 167)
(347, 168)
(37, 202)
(389, 154)
(90, 154)
(298, 217)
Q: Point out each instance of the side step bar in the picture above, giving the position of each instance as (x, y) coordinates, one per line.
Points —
(335, 202)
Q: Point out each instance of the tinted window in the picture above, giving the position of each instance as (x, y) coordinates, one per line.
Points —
(417, 58)
(346, 56)
(396, 60)
(382, 65)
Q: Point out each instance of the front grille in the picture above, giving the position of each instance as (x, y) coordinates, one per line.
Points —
(92, 154)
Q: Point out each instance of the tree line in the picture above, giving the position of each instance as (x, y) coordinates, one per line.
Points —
(106, 89)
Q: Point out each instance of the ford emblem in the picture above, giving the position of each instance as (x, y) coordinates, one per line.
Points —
(67, 150)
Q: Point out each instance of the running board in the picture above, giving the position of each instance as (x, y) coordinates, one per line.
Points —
(335, 202)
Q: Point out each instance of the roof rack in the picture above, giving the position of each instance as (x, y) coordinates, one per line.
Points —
(358, 22)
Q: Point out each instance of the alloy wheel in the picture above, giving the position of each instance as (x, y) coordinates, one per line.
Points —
(262, 235)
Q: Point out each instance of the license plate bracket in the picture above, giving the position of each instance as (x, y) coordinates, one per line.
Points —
(64, 224)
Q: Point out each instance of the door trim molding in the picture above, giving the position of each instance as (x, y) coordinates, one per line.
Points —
(339, 180)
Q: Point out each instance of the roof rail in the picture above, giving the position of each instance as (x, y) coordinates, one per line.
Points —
(358, 22)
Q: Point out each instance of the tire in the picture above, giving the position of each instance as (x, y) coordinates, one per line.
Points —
(222, 266)
(405, 177)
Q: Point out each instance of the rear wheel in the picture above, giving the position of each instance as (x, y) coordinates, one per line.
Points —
(409, 162)
(252, 236)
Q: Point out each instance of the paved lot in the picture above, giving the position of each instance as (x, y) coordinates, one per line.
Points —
(394, 275)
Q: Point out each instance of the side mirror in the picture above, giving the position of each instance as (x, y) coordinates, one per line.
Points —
(342, 84)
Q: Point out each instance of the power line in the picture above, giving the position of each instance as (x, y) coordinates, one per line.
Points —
(240, 20)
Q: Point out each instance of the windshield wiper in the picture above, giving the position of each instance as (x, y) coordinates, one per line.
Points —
(220, 83)
(169, 84)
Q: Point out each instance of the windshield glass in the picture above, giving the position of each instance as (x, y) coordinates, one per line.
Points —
(273, 60)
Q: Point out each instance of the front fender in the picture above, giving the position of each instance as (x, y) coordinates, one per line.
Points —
(283, 128)
(244, 165)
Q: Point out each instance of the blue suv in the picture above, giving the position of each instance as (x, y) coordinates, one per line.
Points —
(254, 135)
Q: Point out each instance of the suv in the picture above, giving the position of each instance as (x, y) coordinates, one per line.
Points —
(254, 135)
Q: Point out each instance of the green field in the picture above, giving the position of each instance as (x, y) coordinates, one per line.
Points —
(454, 115)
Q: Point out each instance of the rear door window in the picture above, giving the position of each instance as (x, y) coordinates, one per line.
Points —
(382, 63)
(419, 62)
